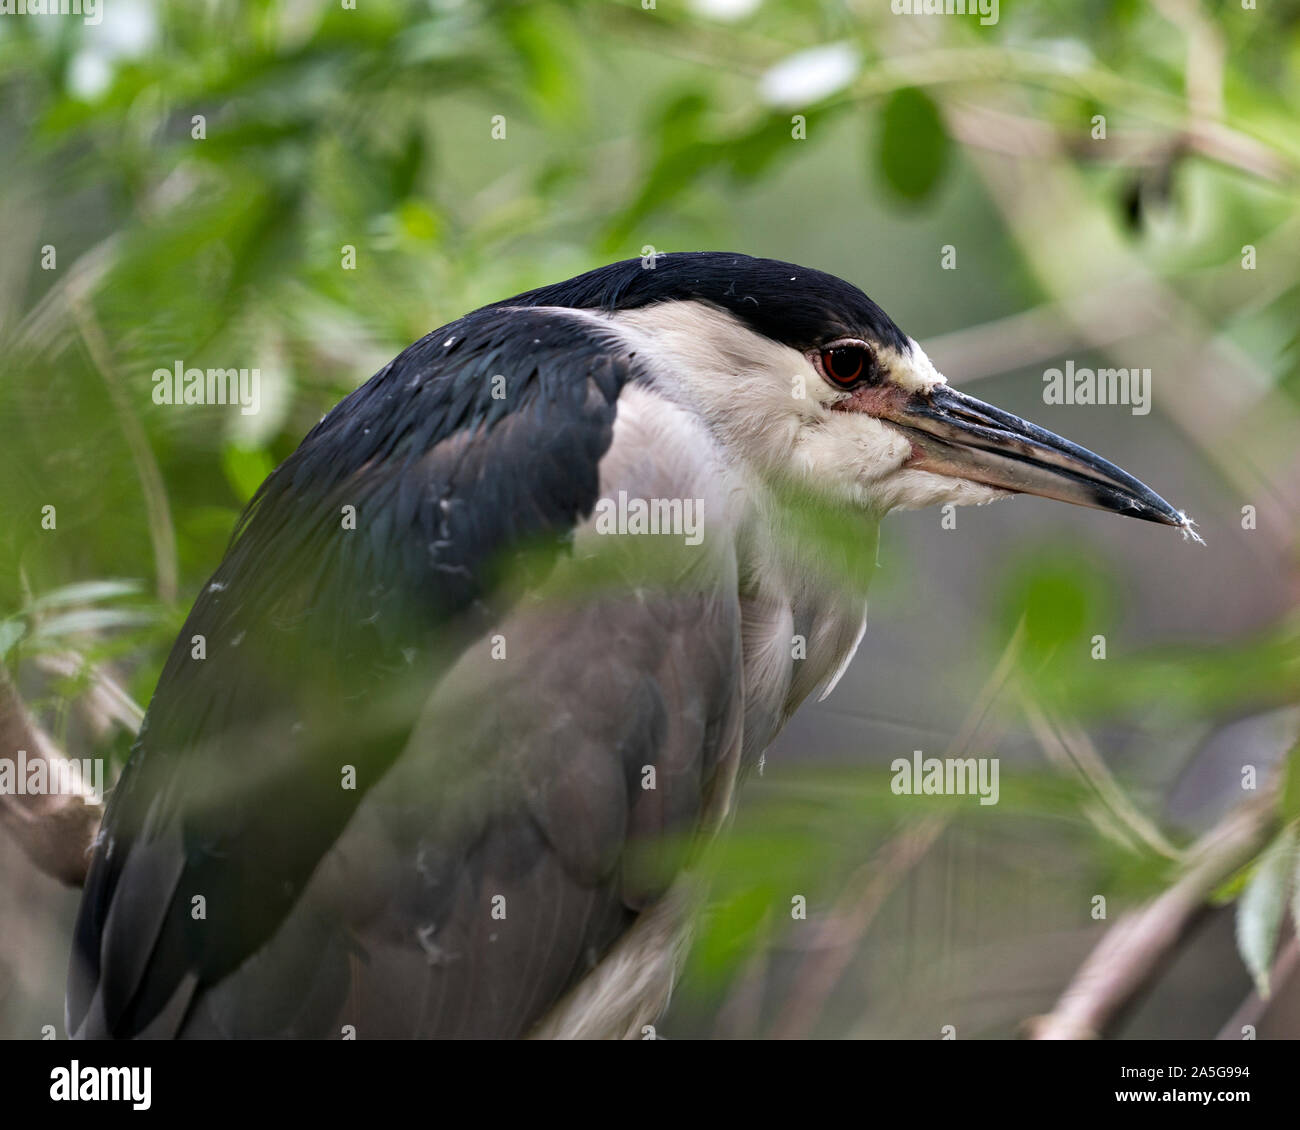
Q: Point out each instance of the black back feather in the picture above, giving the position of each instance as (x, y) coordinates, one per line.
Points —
(321, 638)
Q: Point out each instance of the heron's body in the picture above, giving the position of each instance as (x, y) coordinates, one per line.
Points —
(540, 721)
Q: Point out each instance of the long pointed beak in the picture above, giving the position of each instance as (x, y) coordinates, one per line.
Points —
(956, 435)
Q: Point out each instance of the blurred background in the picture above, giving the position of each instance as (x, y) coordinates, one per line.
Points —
(305, 188)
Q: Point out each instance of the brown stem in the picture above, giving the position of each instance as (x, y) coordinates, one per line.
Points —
(1135, 948)
(55, 829)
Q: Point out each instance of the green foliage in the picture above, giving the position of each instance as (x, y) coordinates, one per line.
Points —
(246, 469)
(1060, 593)
(1263, 905)
(913, 144)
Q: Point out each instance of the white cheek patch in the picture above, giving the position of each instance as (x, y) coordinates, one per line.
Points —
(850, 455)
(913, 371)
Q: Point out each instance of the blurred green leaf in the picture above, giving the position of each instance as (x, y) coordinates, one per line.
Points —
(543, 42)
(1263, 905)
(86, 592)
(11, 631)
(90, 620)
(1063, 595)
(913, 144)
(735, 922)
(752, 153)
(245, 469)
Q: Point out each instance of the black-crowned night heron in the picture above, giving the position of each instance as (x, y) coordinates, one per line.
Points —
(491, 649)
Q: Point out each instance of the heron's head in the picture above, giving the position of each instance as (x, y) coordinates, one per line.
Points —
(800, 373)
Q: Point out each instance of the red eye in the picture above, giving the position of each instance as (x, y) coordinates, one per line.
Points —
(844, 364)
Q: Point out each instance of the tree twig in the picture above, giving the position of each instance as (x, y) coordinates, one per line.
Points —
(1070, 748)
(1137, 945)
(55, 828)
(162, 531)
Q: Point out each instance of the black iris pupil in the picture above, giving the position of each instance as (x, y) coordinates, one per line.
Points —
(845, 363)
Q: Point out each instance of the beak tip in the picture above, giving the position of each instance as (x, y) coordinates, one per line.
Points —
(1188, 528)
(1169, 516)
(1160, 511)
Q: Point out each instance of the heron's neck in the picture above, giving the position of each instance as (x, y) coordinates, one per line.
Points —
(803, 583)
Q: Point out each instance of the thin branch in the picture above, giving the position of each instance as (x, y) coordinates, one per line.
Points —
(1033, 336)
(1016, 68)
(1017, 135)
(1071, 749)
(1206, 51)
(1114, 313)
(55, 829)
(1136, 947)
(162, 531)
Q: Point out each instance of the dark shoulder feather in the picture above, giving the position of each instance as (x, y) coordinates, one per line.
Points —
(360, 567)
